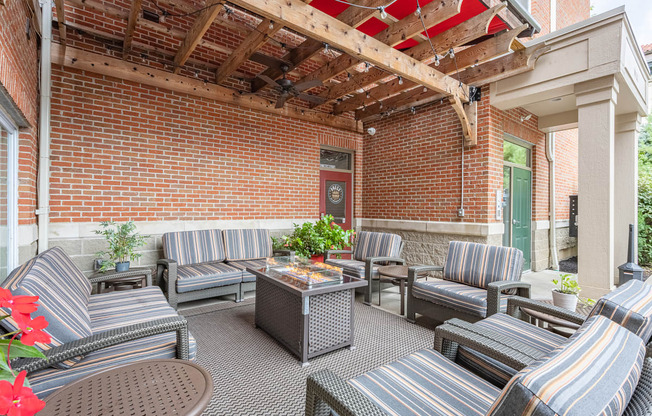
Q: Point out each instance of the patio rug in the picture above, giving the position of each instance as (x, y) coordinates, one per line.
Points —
(255, 375)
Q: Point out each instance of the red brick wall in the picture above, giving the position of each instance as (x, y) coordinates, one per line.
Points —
(568, 12)
(122, 150)
(565, 171)
(19, 76)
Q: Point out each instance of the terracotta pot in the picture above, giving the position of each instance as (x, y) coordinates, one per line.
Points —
(317, 257)
(564, 300)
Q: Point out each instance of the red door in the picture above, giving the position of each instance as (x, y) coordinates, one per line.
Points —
(336, 197)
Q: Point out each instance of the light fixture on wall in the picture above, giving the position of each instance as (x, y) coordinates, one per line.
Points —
(526, 118)
(371, 131)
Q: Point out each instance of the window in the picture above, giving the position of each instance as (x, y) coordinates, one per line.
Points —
(516, 154)
(8, 195)
(332, 159)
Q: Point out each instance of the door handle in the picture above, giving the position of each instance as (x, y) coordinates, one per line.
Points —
(515, 222)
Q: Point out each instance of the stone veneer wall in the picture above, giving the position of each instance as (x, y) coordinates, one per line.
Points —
(566, 246)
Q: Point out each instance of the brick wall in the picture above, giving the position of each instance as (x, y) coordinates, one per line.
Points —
(19, 76)
(568, 12)
(565, 171)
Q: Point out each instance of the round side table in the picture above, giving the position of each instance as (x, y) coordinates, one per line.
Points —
(398, 276)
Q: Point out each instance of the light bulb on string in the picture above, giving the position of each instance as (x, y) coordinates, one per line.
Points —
(383, 13)
(437, 60)
(413, 110)
(451, 53)
(366, 66)
(368, 95)
(417, 12)
(400, 80)
(271, 25)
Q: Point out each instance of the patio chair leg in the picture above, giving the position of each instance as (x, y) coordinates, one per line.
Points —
(367, 294)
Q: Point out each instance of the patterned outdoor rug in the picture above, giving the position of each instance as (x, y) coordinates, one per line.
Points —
(255, 375)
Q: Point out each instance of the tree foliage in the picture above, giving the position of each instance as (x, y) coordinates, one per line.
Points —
(645, 194)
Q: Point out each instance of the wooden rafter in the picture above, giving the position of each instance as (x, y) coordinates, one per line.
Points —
(196, 32)
(458, 35)
(100, 64)
(61, 19)
(495, 70)
(482, 52)
(134, 13)
(433, 13)
(353, 16)
(468, 115)
(311, 22)
(266, 29)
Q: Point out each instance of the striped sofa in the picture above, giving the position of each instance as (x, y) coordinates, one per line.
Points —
(371, 250)
(92, 332)
(475, 278)
(208, 263)
(630, 306)
(601, 370)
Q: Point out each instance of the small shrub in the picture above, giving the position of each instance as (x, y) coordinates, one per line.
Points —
(645, 218)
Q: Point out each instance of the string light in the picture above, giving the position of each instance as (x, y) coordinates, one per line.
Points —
(451, 53)
(437, 60)
(271, 25)
(413, 110)
(326, 46)
(366, 66)
(417, 12)
(161, 18)
(368, 94)
(425, 89)
(400, 80)
(383, 13)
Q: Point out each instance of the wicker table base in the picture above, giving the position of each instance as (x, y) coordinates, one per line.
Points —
(143, 388)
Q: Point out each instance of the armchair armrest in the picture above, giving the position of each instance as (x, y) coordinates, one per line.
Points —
(326, 391)
(415, 271)
(495, 289)
(450, 335)
(370, 261)
(169, 287)
(516, 303)
(122, 275)
(327, 253)
(107, 339)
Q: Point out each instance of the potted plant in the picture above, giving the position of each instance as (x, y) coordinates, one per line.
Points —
(123, 240)
(313, 239)
(566, 295)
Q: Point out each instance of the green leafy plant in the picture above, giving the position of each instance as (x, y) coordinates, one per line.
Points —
(567, 284)
(645, 194)
(123, 240)
(310, 239)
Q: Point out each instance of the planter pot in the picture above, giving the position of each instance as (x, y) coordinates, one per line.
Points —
(122, 266)
(317, 257)
(564, 300)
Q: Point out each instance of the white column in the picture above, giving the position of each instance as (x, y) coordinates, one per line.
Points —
(596, 101)
(626, 184)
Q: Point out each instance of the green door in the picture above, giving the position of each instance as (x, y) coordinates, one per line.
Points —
(522, 212)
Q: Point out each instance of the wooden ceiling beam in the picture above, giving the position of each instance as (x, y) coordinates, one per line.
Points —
(492, 71)
(61, 19)
(353, 16)
(482, 52)
(134, 14)
(311, 22)
(196, 33)
(433, 13)
(265, 30)
(117, 68)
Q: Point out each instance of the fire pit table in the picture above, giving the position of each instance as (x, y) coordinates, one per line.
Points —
(306, 306)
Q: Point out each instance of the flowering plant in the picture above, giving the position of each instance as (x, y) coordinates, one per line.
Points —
(16, 397)
(311, 239)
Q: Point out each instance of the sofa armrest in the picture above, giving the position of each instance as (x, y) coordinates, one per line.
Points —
(325, 391)
(327, 253)
(168, 286)
(495, 289)
(109, 338)
(415, 271)
(516, 303)
(455, 332)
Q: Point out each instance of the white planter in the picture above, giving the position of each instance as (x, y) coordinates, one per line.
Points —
(564, 301)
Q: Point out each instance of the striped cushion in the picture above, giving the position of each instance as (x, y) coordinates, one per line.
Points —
(191, 247)
(595, 373)
(243, 264)
(63, 292)
(426, 383)
(247, 244)
(539, 339)
(206, 275)
(468, 299)
(480, 264)
(630, 306)
(353, 268)
(370, 244)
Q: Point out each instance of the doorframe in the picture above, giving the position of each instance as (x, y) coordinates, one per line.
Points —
(520, 142)
(351, 171)
(11, 128)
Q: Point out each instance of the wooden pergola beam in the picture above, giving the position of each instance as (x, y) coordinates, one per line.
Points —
(468, 115)
(61, 19)
(134, 13)
(353, 16)
(196, 32)
(495, 70)
(316, 24)
(458, 35)
(265, 30)
(477, 54)
(117, 68)
(433, 13)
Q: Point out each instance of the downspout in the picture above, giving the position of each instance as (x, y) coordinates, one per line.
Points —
(43, 211)
(552, 237)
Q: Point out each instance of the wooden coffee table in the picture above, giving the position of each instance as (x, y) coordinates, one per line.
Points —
(142, 388)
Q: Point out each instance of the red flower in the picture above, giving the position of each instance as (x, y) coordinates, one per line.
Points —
(333, 224)
(333, 247)
(22, 304)
(17, 400)
(32, 330)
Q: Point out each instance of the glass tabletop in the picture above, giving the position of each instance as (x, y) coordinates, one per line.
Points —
(304, 274)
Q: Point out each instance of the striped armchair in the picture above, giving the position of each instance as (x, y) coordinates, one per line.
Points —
(371, 251)
(474, 280)
(601, 370)
(91, 332)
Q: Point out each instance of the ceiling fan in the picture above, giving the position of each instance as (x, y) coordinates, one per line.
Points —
(288, 89)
